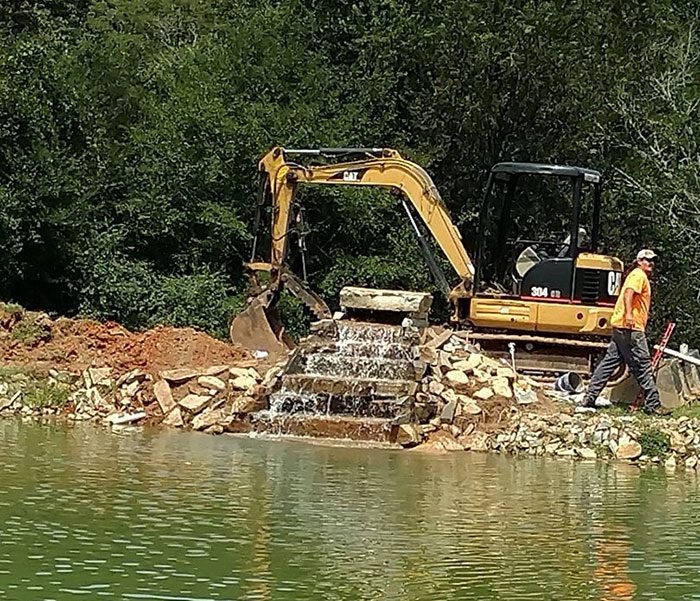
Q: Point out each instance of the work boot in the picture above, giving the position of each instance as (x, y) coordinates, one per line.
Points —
(601, 401)
(659, 410)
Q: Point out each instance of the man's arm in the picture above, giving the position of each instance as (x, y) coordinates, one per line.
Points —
(627, 298)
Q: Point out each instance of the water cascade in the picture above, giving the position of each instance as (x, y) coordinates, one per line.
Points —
(352, 369)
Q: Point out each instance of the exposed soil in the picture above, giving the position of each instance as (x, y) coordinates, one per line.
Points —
(78, 344)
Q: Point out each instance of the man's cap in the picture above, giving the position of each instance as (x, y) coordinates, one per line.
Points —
(646, 253)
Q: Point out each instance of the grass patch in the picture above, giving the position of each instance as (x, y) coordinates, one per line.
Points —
(691, 411)
(602, 450)
(11, 308)
(42, 393)
(654, 442)
(30, 331)
(616, 410)
(7, 371)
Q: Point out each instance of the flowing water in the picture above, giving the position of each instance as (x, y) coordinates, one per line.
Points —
(361, 370)
(183, 516)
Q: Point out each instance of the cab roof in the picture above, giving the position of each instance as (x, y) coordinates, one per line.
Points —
(590, 175)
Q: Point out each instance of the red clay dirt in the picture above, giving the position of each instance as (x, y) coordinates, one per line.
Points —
(78, 344)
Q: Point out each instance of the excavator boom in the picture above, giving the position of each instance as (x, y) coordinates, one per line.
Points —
(377, 167)
(390, 171)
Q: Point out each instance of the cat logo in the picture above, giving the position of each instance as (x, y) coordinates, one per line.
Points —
(614, 281)
(350, 176)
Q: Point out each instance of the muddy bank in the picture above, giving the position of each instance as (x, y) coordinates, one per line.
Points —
(85, 370)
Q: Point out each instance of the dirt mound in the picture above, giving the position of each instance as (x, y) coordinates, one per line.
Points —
(78, 344)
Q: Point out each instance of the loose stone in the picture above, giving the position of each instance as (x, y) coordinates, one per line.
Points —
(174, 418)
(628, 450)
(457, 377)
(243, 382)
(195, 402)
(483, 394)
(164, 396)
(214, 383)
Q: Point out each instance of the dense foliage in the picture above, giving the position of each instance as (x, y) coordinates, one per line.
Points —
(130, 130)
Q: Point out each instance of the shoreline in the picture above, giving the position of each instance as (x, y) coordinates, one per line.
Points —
(460, 399)
(672, 442)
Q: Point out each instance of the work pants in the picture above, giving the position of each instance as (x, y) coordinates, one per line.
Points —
(629, 347)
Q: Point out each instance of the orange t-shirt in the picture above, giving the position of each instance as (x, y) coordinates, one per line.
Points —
(638, 281)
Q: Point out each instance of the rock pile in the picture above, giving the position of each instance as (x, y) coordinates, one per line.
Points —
(675, 442)
(201, 399)
(209, 399)
(459, 397)
(462, 386)
(86, 370)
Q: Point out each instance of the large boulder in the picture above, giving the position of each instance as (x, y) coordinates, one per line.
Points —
(207, 418)
(440, 442)
(448, 412)
(668, 381)
(174, 418)
(194, 403)
(164, 396)
(407, 435)
(692, 374)
(415, 304)
(212, 383)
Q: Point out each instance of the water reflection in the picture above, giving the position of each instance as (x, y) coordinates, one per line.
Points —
(153, 515)
(611, 574)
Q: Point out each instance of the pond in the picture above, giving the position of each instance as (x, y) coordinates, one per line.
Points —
(150, 514)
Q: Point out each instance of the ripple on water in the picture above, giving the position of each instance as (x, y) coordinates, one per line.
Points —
(184, 516)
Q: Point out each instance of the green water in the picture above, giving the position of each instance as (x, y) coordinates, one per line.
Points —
(182, 516)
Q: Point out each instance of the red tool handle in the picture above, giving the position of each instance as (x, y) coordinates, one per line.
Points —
(659, 352)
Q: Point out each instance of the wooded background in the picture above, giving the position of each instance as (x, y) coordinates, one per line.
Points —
(130, 132)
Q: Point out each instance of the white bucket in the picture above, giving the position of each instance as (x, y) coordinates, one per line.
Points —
(569, 382)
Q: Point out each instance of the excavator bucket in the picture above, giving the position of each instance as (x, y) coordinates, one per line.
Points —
(254, 330)
(258, 327)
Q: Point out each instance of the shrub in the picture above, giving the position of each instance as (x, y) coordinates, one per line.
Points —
(31, 328)
(654, 442)
(200, 300)
(42, 393)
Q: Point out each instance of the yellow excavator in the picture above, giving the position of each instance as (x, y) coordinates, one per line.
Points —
(554, 299)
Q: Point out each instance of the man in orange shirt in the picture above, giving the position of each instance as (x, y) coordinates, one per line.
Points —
(629, 344)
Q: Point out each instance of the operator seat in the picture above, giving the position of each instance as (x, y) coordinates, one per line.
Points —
(564, 250)
(530, 257)
(526, 260)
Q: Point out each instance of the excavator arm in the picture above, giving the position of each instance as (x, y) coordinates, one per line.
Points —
(384, 168)
(389, 171)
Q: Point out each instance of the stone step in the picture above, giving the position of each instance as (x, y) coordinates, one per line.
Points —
(365, 349)
(338, 385)
(365, 429)
(361, 368)
(369, 333)
(415, 304)
(317, 404)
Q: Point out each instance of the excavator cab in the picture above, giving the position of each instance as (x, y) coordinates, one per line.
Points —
(535, 222)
